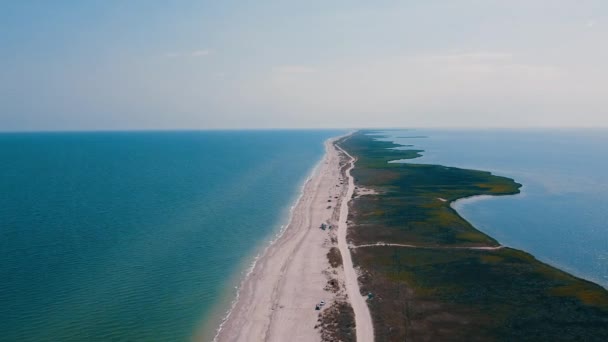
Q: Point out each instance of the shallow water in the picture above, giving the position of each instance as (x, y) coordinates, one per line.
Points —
(561, 217)
(128, 236)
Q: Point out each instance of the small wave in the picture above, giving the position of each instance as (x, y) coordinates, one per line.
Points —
(276, 237)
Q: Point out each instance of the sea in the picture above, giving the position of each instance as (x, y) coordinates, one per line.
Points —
(139, 236)
(561, 216)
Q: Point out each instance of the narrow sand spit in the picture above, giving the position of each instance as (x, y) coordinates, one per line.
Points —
(277, 300)
(363, 318)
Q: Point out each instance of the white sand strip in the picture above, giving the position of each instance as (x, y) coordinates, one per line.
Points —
(277, 300)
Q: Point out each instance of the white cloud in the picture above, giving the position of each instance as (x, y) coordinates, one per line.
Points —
(194, 54)
(474, 88)
(478, 56)
(293, 69)
(200, 53)
(487, 62)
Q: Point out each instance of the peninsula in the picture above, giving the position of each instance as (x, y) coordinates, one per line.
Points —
(434, 277)
(375, 252)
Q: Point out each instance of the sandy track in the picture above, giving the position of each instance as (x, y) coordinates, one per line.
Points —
(277, 300)
(474, 248)
(363, 318)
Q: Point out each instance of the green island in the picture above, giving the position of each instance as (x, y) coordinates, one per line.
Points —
(449, 281)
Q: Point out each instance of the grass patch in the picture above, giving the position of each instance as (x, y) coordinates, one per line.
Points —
(337, 323)
(334, 257)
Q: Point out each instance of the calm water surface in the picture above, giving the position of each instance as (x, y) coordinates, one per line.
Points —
(136, 236)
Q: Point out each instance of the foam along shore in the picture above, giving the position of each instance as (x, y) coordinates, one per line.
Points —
(277, 300)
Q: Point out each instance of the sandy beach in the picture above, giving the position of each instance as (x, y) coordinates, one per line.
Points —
(277, 300)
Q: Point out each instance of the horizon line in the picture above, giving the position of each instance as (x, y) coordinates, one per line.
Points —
(461, 128)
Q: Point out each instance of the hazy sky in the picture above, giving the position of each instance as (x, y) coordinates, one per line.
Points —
(259, 64)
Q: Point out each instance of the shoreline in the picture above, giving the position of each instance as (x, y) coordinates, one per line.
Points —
(538, 195)
(460, 203)
(267, 285)
(249, 265)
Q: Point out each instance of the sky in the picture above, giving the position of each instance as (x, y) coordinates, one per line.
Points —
(185, 64)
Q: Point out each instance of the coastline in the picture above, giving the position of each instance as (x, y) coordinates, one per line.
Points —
(249, 265)
(211, 327)
(460, 203)
(561, 212)
(289, 274)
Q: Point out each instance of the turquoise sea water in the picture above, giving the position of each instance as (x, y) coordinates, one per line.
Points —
(137, 236)
(561, 217)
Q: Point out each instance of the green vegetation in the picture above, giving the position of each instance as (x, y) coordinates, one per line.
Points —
(414, 205)
(334, 257)
(443, 293)
(337, 323)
